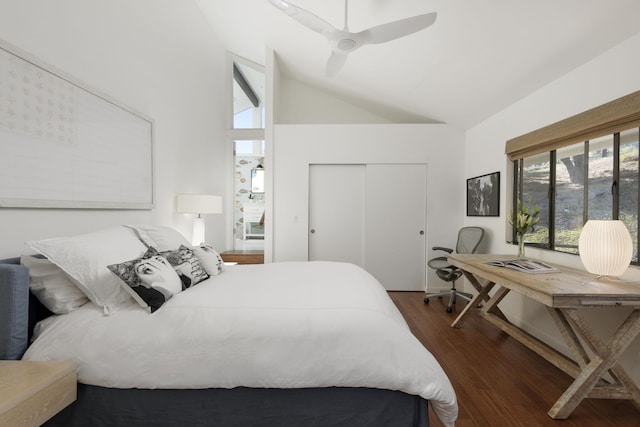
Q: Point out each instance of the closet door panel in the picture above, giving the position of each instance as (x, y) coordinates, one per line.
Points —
(395, 225)
(336, 213)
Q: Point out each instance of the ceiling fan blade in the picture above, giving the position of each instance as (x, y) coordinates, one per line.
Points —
(335, 63)
(394, 30)
(305, 18)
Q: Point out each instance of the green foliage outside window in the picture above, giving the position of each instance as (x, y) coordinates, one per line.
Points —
(597, 179)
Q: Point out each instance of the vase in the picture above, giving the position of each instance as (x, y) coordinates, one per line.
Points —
(520, 246)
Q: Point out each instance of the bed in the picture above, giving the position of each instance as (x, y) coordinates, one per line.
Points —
(292, 343)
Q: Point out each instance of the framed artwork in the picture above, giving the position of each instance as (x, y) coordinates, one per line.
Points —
(66, 145)
(483, 195)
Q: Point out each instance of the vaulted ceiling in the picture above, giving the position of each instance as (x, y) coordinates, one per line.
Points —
(475, 60)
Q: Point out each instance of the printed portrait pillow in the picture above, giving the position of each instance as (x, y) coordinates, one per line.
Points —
(187, 265)
(151, 279)
(210, 259)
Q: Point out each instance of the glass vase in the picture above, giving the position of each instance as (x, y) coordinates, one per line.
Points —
(520, 246)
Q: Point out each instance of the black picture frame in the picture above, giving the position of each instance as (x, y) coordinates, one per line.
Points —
(483, 195)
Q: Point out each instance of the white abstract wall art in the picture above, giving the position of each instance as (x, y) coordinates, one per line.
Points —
(65, 145)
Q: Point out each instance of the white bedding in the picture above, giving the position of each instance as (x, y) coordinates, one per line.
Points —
(279, 325)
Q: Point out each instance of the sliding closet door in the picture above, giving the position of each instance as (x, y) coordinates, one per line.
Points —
(371, 215)
(395, 225)
(336, 212)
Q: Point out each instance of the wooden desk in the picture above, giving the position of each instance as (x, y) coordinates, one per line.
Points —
(33, 392)
(563, 293)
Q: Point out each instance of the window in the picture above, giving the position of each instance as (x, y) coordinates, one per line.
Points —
(248, 97)
(628, 184)
(248, 164)
(533, 184)
(248, 138)
(595, 179)
(584, 167)
(569, 197)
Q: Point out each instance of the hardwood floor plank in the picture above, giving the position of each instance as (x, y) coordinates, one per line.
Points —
(500, 382)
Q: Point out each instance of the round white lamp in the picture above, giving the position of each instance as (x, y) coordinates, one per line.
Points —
(605, 247)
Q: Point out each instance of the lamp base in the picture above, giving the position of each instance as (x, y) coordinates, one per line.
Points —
(198, 231)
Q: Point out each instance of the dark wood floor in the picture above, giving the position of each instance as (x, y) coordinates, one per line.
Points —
(498, 381)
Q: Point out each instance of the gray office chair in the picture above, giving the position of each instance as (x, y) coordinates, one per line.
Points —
(469, 239)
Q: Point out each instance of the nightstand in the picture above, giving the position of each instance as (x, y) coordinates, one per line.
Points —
(32, 392)
(243, 257)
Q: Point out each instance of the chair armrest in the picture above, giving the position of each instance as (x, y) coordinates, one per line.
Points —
(440, 248)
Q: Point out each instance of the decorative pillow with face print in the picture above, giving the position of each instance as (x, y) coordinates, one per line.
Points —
(151, 279)
(210, 259)
(187, 265)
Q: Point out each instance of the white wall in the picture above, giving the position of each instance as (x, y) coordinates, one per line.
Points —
(297, 146)
(607, 77)
(300, 103)
(157, 56)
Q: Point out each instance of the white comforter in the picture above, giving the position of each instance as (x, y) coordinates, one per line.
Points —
(279, 325)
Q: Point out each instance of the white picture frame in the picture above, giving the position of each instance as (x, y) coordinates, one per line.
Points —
(64, 144)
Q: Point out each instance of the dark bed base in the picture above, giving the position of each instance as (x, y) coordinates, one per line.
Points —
(240, 407)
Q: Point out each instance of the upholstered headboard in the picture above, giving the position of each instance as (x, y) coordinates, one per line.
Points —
(19, 309)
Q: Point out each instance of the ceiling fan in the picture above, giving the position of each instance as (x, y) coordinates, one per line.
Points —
(343, 41)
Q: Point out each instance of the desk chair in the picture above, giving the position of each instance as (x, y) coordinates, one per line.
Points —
(469, 239)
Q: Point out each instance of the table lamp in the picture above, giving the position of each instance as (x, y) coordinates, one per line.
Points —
(198, 204)
(605, 247)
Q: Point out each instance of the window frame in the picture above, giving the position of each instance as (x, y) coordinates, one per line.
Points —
(243, 134)
(518, 190)
(611, 118)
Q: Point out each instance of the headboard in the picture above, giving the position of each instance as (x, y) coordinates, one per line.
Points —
(20, 310)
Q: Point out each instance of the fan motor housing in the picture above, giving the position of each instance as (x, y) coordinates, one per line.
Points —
(347, 44)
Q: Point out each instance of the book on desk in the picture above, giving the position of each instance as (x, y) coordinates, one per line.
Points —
(524, 265)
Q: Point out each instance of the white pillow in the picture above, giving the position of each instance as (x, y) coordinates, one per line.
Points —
(85, 259)
(160, 237)
(209, 258)
(52, 286)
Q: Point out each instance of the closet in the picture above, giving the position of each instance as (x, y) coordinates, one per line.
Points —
(372, 215)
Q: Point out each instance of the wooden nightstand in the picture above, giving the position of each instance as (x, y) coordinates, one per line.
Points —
(32, 392)
(243, 257)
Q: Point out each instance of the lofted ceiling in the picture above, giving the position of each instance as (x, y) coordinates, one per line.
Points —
(475, 60)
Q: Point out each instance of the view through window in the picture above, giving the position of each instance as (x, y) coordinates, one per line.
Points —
(248, 97)
(249, 194)
(248, 156)
(597, 179)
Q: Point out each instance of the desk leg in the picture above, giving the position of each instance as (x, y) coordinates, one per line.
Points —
(604, 359)
(483, 295)
(492, 304)
(472, 279)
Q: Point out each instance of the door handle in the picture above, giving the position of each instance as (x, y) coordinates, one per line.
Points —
(422, 232)
(312, 231)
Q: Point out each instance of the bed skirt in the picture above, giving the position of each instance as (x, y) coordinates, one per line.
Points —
(353, 407)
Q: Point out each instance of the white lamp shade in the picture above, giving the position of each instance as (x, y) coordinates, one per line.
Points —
(605, 247)
(199, 204)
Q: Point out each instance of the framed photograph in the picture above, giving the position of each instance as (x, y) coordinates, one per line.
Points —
(483, 195)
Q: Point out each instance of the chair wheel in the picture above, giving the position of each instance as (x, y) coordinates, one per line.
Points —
(449, 309)
(426, 300)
